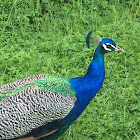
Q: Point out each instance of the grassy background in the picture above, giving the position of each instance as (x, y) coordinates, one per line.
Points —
(48, 36)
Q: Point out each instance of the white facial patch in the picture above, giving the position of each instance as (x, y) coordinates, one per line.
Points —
(111, 45)
(105, 47)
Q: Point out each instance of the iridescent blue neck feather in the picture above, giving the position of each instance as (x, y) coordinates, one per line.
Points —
(85, 89)
(87, 86)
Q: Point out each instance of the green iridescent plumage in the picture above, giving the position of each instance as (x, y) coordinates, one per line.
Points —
(56, 84)
(53, 83)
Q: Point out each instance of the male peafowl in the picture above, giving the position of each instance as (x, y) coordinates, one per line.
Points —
(44, 106)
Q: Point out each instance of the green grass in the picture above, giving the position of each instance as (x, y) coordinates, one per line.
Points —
(48, 36)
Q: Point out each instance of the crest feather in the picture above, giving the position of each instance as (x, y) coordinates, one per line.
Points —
(91, 40)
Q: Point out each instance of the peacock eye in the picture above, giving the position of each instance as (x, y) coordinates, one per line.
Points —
(109, 46)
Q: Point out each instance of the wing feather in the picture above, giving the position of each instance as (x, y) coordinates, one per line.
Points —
(31, 108)
(22, 82)
(9, 89)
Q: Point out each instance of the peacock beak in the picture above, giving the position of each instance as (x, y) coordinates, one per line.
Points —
(117, 48)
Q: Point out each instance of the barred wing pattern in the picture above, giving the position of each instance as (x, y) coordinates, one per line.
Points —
(30, 109)
(22, 82)
(9, 89)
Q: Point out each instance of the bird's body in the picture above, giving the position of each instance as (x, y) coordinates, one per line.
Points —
(44, 106)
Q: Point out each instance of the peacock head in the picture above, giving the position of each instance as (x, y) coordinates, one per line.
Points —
(105, 45)
(108, 45)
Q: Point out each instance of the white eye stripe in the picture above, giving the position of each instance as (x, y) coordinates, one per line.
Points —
(111, 45)
(105, 47)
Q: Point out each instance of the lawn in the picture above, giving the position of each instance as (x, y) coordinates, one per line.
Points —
(48, 36)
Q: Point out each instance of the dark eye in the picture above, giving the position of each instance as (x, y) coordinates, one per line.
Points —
(109, 46)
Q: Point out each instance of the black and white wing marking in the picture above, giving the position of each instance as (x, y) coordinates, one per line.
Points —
(22, 82)
(30, 109)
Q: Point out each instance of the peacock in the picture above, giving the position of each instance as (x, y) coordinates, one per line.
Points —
(44, 106)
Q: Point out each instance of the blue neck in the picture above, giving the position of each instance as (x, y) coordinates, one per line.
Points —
(85, 89)
(87, 86)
